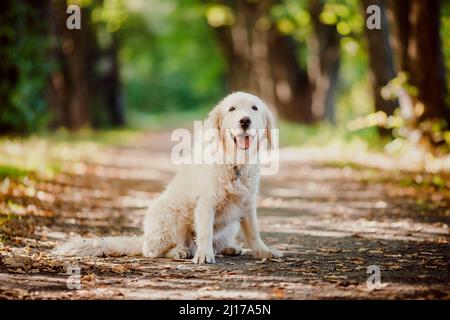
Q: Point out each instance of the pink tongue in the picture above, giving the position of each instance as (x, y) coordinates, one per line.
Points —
(243, 142)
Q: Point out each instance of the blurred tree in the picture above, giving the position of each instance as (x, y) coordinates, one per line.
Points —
(69, 90)
(263, 59)
(24, 67)
(170, 60)
(380, 60)
(85, 90)
(260, 59)
(418, 50)
(323, 65)
(107, 18)
(113, 98)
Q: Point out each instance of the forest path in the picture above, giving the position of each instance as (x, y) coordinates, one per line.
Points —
(331, 222)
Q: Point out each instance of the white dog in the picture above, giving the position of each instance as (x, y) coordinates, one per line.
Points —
(201, 211)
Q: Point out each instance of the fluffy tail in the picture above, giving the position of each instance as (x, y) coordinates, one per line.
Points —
(106, 246)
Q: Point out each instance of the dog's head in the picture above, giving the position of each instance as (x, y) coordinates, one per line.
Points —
(243, 121)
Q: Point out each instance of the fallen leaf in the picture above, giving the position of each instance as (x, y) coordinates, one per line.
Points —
(278, 293)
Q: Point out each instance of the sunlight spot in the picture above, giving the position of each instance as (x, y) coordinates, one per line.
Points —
(283, 91)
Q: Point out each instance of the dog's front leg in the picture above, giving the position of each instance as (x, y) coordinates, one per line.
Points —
(204, 225)
(249, 226)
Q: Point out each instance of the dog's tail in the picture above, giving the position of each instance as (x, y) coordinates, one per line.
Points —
(105, 246)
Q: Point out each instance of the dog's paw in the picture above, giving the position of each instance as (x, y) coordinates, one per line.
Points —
(203, 257)
(267, 253)
(150, 249)
(178, 253)
(232, 251)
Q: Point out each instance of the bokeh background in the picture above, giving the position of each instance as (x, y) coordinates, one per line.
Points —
(142, 64)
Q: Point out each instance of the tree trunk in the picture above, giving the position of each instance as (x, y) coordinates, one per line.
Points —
(425, 59)
(69, 93)
(290, 84)
(398, 16)
(323, 64)
(380, 60)
(263, 62)
(419, 52)
(112, 98)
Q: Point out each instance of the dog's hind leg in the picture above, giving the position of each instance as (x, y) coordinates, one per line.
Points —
(185, 247)
(225, 243)
(179, 252)
(155, 246)
(232, 249)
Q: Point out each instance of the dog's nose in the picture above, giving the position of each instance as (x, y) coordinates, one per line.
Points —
(245, 123)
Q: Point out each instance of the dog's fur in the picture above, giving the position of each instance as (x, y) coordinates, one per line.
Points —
(201, 211)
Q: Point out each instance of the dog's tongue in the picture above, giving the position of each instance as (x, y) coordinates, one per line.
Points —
(243, 141)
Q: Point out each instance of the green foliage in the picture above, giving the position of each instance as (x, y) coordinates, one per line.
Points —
(110, 137)
(25, 67)
(170, 60)
(404, 124)
(12, 172)
(112, 13)
(292, 18)
(345, 15)
(165, 120)
(43, 154)
(324, 134)
(445, 36)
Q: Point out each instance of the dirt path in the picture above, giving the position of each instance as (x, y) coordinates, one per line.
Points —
(331, 222)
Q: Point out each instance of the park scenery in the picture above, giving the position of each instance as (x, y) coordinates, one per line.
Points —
(91, 92)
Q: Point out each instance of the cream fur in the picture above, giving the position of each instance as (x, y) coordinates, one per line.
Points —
(203, 207)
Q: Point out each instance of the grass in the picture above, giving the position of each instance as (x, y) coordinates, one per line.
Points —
(8, 171)
(323, 134)
(46, 153)
(111, 137)
(291, 134)
(165, 120)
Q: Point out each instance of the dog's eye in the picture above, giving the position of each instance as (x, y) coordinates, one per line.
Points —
(255, 108)
(232, 109)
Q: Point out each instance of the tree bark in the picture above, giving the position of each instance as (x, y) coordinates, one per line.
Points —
(398, 17)
(419, 52)
(69, 90)
(381, 61)
(113, 99)
(425, 58)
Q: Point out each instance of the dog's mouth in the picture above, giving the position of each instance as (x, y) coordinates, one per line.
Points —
(243, 141)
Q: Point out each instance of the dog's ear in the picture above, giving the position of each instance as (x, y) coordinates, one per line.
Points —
(270, 125)
(214, 120)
